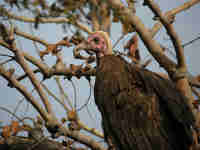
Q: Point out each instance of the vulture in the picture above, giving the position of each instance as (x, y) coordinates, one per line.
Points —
(140, 109)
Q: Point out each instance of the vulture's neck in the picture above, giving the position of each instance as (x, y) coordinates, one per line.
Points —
(110, 63)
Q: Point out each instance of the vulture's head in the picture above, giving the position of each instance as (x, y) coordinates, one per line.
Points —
(98, 43)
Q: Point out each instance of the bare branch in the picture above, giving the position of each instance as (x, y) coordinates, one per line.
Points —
(91, 130)
(94, 18)
(62, 92)
(23, 90)
(10, 112)
(20, 59)
(154, 48)
(173, 12)
(30, 37)
(45, 20)
(105, 15)
(171, 32)
(84, 139)
(190, 42)
(181, 72)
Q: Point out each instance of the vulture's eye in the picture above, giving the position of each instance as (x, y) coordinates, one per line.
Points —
(96, 40)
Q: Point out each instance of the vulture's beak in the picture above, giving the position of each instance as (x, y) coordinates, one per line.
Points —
(83, 46)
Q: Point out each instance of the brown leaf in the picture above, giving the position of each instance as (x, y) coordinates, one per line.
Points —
(72, 115)
(127, 28)
(53, 48)
(75, 68)
(15, 127)
(6, 131)
(63, 120)
(132, 47)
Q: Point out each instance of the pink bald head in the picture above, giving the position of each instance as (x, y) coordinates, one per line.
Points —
(98, 43)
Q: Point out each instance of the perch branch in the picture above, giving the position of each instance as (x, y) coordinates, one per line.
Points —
(84, 139)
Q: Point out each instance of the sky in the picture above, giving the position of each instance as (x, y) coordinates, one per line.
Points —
(186, 24)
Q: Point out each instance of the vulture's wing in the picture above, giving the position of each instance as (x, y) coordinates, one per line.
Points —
(165, 89)
(140, 110)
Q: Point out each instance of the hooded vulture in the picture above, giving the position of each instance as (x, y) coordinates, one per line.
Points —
(140, 109)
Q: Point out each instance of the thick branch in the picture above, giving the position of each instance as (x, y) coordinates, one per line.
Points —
(154, 48)
(180, 75)
(25, 143)
(84, 139)
(171, 32)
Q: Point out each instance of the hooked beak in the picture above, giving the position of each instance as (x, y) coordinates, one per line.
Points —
(83, 46)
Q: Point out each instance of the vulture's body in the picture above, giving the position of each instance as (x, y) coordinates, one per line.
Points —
(140, 110)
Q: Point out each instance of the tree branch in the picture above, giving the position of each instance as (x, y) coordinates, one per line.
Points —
(20, 59)
(173, 12)
(44, 20)
(181, 72)
(153, 47)
(171, 32)
(30, 37)
(23, 90)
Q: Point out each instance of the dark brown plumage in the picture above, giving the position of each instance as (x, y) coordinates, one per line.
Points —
(140, 110)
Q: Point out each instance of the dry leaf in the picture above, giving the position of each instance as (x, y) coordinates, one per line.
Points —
(72, 115)
(14, 127)
(132, 46)
(6, 131)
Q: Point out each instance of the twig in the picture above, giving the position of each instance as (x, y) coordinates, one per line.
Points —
(171, 32)
(88, 99)
(55, 97)
(94, 18)
(21, 60)
(125, 15)
(30, 37)
(23, 90)
(91, 130)
(180, 75)
(190, 42)
(118, 40)
(63, 93)
(196, 92)
(6, 61)
(10, 112)
(75, 94)
(172, 12)
(105, 15)
(45, 20)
